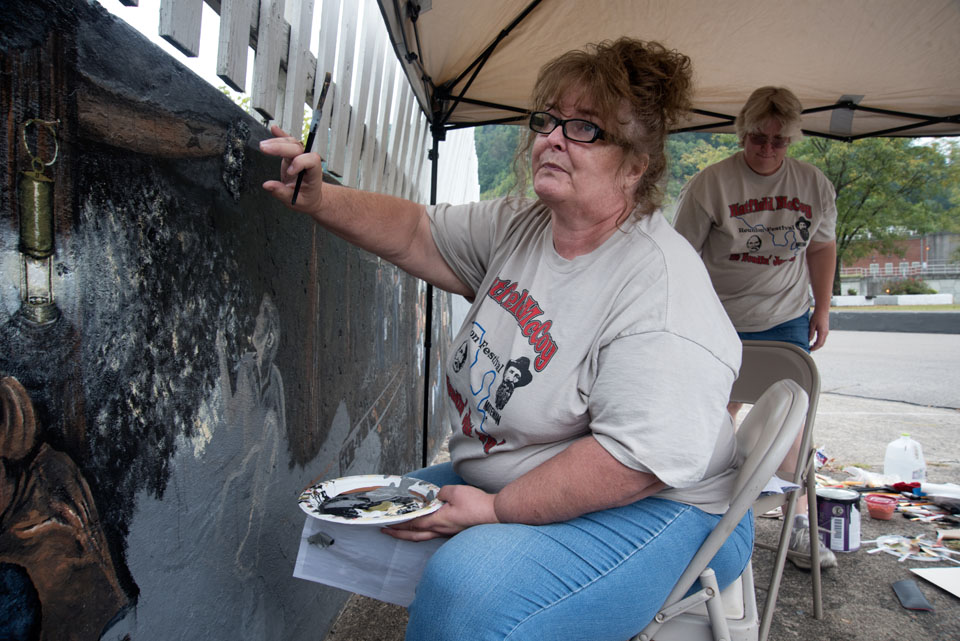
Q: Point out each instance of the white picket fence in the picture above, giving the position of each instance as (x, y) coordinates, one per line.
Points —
(372, 133)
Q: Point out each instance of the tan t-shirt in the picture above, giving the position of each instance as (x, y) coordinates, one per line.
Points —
(628, 343)
(753, 232)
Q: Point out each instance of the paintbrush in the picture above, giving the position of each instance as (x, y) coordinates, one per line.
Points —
(314, 123)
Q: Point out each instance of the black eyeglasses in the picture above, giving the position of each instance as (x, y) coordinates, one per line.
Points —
(777, 142)
(574, 129)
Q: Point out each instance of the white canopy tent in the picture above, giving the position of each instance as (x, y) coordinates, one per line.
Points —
(860, 67)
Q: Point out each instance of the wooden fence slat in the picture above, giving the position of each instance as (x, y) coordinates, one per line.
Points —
(409, 156)
(358, 130)
(180, 24)
(394, 164)
(383, 134)
(297, 62)
(370, 145)
(420, 152)
(405, 123)
(235, 18)
(322, 143)
(403, 160)
(329, 18)
(341, 114)
(266, 63)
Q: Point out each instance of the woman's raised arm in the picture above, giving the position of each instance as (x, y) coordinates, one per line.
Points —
(395, 229)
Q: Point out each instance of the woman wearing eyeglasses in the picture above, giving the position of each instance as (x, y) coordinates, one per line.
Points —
(591, 451)
(765, 225)
(789, 204)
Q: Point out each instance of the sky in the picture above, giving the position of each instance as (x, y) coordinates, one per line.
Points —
(145, 19)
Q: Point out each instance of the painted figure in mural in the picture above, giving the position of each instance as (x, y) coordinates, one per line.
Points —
(20, 607)
(592, 488)
(255, 407)
(50, 529)
(759, 196)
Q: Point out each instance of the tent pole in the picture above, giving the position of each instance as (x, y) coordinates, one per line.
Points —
(428, 326)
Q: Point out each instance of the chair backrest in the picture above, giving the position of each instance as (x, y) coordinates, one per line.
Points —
(767, 432)
(765, 362)
(764, 437)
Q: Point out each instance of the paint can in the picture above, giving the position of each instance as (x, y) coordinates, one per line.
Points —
(838, 512)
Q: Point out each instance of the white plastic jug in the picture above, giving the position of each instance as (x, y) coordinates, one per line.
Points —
(904, 460)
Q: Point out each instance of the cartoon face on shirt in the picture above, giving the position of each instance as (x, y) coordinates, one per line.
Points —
(460, 358)
(516, 375)
(754, 243)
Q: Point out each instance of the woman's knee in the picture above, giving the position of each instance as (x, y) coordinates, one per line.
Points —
(460, 594)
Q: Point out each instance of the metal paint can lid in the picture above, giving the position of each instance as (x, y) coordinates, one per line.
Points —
(838, 495)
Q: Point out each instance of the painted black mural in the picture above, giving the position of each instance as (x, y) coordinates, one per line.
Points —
(179, 355)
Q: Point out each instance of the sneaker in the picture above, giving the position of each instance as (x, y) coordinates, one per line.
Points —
(798, 551)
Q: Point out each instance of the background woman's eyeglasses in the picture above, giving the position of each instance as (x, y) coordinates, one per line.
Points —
(777, 142)
(573, 129)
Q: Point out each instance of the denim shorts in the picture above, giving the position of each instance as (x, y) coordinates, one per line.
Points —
(796, 331)
(599, 577)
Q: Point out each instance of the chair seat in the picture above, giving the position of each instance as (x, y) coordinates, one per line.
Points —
(768, 502)
(742, 617)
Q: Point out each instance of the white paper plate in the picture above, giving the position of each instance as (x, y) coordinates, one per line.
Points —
(365, 499)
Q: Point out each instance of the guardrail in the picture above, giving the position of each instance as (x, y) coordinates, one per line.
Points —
(903, 270)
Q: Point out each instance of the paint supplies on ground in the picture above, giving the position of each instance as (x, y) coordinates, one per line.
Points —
(880, 506)
(863, 478)
(918, 548)
(904, 460)
(838, 512)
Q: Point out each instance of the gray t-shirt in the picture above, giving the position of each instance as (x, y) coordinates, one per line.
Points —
(628, 343)
(753, 232)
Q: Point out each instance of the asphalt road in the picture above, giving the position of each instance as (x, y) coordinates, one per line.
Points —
(921, 369)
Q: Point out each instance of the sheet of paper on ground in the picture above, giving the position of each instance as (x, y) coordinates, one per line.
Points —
(946, 578)
(363, 560)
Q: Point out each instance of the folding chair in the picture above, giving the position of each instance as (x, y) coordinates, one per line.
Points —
(763, 363)
(764, 438)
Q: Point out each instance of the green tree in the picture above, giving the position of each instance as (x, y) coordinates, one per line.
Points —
(886, 189)
(496, 146)
(689, 152)
(243, 101)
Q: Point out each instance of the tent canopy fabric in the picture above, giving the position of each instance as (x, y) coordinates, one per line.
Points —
(860, 67)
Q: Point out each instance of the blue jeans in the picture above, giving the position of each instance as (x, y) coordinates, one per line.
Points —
(796, 331)
(599, 576)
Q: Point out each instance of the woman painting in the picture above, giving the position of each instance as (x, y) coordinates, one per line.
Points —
(574, 498)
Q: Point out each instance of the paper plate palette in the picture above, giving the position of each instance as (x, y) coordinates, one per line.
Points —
(370, 499)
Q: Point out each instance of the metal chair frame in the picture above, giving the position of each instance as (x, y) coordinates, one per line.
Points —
(764, 438)
(764, 362)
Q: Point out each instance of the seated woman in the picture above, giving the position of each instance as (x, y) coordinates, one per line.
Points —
(592, 452)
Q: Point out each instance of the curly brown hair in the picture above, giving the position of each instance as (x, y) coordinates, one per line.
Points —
(639, 89)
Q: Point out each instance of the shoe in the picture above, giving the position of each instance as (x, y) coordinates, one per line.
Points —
(798, 551)
(775, 513)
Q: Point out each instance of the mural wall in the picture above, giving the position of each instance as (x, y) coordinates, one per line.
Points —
(179, 355)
